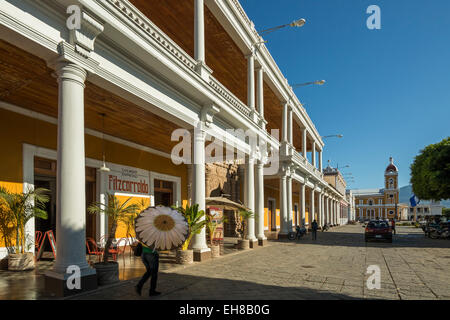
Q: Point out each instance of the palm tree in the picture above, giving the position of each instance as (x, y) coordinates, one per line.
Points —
(20, 208)
(245, 215)
(193, 217)
(115, 211)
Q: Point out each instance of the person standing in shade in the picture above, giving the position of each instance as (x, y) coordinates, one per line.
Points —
(314, 227)
(393, 226)
(150, 258)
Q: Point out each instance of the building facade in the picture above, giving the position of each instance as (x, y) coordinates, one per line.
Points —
(127, 88)
(380, 203)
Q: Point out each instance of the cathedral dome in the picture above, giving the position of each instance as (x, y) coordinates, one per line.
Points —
(391, 167)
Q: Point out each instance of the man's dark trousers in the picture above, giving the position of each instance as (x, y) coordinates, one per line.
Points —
(151, 262)
(314, 234)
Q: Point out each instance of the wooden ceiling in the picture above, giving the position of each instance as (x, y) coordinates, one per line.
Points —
(27, 82)
(229, 65)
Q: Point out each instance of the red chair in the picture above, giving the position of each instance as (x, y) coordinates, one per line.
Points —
(37, 239)
(93, 249)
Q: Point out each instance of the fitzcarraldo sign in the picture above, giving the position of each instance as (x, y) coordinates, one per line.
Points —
(127, 180)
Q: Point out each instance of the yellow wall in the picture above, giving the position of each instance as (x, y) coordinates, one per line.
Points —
(16, 129)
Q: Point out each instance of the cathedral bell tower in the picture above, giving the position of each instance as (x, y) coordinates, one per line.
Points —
(391, 183)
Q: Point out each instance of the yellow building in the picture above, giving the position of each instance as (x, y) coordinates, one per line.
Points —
(380, 203)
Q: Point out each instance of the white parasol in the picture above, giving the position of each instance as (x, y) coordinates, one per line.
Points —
(161, 228)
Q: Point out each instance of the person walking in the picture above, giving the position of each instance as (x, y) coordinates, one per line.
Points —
(314, 227)
(393, 226)
(150, 258)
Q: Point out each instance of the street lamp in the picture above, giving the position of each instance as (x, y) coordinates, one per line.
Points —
(297, 23)
(333, 135)
(317, 82)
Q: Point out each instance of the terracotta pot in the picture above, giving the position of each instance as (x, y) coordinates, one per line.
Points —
(185, 256)
(107, 273)
(215, 251)
(21, 262)
(244, 244)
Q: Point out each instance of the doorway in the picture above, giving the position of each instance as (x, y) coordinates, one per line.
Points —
(163, 193)
(45, 177)
(272, 215)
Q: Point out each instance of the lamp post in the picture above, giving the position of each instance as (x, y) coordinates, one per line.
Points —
(340, 136)
(297, 23)
(317, 82)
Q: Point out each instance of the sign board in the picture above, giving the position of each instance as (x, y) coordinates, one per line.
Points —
(51, 238)
(128, 180)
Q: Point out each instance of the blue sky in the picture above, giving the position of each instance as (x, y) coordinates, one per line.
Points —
(387, 91)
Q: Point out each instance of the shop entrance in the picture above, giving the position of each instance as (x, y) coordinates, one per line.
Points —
(45, 177)
(163, 193)
(272, 215)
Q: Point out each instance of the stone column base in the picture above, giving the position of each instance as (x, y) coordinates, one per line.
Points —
(282, 236)
(253, 244)
(202, 254)
(56, 285)
(262, 242)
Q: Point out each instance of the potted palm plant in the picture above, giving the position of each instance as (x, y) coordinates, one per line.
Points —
(18, 209)
(195, 223)
(108, 271)
(244, 215)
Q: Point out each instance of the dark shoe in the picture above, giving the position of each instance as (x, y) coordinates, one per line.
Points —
(138, 290)
(154, 293)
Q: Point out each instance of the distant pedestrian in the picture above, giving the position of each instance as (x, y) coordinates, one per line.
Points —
(393, 226)
(150, 258)
(314, 227)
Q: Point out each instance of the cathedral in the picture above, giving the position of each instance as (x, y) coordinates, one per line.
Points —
(380, 203)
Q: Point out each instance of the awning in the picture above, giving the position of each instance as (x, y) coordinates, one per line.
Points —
(224, 203)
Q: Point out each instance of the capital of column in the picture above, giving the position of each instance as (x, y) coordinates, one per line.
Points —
(66, 70)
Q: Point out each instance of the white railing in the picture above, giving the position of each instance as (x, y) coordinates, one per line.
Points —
(229, 96)
(153, 31)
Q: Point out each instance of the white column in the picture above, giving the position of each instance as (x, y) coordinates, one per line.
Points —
(71, 173)
(283, 205)
(251, 81)
(260, 90)
(284, 123)
(290, 128)
(250, 195)
(303, 202)
(304, 136)
(199, 31)
(312, 208)
(320, 161)
(319, 215)
(313, 157)
(102, 219)
(259, 200)
(199, 242)
(328, 209)
(289, 201)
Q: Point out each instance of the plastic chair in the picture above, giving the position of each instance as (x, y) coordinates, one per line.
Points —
(93, 249)
(121, 247)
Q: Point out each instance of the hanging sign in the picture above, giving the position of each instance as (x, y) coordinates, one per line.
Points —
(128, 180)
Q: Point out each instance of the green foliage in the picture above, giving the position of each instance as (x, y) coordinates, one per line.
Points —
(17, 210)
(116, 211)
(446, 212)
(195, 221)
(245, 215)
(430, 172)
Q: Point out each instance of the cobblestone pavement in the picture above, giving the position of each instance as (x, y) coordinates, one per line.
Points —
(333, 267)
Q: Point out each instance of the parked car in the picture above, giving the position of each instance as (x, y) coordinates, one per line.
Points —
(378, 230)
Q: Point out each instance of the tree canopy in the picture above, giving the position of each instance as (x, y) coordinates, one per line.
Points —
(430, 172)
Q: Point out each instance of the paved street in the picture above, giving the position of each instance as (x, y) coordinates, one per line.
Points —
(333, 267)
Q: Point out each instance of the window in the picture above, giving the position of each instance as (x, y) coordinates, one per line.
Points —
(419, 210)
(370, 202)
(425, 210)
(391, 183)
(391, 212)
